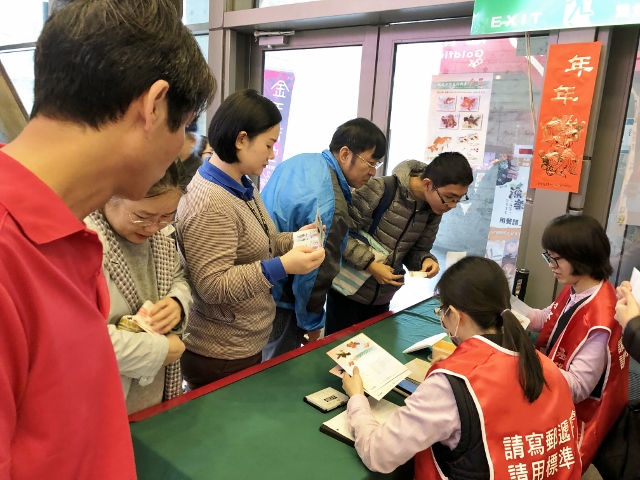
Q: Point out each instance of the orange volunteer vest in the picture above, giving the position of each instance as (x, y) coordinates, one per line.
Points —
(537, 439)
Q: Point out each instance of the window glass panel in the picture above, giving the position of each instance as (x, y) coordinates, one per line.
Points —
(19, 67)
(21, 21)
(203, 43)
(195, 11)
(428, 118)
(313, 100)
(623, 226)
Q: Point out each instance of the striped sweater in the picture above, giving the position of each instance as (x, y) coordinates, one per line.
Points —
(221, 244)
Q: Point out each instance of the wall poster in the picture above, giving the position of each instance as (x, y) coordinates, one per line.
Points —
(459, 115)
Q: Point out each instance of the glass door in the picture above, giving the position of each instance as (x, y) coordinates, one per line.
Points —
(315, 80)
(446, 92)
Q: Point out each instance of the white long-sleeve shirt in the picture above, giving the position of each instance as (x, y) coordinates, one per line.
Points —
(430, 415)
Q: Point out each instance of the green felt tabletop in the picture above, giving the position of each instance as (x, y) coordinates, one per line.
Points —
(260, 428)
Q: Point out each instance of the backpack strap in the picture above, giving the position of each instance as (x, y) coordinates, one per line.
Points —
(390, 187)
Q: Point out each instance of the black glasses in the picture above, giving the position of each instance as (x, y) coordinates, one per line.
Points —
(464, 198)
(438, 311)
(551, 261)
(371, 163)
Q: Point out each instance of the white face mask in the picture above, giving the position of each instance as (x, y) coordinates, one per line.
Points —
(453, 336)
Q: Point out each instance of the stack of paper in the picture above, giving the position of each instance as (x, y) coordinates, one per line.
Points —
(380, 371)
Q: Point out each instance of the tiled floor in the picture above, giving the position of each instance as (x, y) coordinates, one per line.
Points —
(591, 474)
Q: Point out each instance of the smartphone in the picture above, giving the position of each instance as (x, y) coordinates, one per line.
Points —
(400, 271)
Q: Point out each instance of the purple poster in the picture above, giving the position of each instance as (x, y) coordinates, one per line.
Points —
(278, 87)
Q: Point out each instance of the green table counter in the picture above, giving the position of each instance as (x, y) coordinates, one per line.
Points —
(260, 428)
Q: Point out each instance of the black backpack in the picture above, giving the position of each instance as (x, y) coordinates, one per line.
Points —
(390, 187)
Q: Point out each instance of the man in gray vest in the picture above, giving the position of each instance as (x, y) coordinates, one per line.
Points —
(406, 228)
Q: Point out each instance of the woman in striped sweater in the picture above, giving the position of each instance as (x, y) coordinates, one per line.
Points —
(229, 245)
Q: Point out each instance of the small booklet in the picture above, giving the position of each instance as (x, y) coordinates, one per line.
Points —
(338, 426)
(380, 371)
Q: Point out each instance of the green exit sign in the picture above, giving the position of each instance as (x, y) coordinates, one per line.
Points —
(500, 16)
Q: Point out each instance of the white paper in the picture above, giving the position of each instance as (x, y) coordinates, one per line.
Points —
(520, 310)
(380, 371)
(418, 274)
(635, 284)
(381, 410)
(453, 257)
(313, 237)
(306, 238)
(427, 342)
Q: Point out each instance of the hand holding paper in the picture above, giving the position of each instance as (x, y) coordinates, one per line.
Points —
(379, 371)
(627, 307)
(352, 385)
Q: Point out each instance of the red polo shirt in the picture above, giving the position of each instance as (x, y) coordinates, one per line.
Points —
(62, 410)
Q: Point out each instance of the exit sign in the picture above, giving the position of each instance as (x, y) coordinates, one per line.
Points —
(500, 16)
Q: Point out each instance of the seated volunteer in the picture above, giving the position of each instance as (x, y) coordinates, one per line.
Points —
(578, 331)
(142, 264)
(495, 407)
(414, 200)
(628, 316)
(297, 189)
(229, 245)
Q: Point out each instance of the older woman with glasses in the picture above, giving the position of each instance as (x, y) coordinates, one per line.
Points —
(142, 266)
(495, 407)
(578, 331)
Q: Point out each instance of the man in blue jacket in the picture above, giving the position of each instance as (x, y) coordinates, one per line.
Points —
(296, 190)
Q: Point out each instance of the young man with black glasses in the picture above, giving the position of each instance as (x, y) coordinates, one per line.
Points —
(406, 228)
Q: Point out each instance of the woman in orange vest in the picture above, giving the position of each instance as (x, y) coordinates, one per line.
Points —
(495, 407)
(578, 331)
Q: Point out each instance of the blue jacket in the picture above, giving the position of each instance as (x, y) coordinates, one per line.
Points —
(296, 189)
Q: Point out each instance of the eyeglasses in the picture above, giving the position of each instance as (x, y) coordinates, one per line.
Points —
(141, 222)
(551, 261)
(375, 164)
(464, 198)
(438, 311)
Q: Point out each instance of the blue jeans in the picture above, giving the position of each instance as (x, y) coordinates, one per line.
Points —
(285, 336)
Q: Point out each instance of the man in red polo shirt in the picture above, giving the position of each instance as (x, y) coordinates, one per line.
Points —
(116, 82)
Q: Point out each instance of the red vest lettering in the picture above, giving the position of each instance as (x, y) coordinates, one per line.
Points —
(537, 439)
(596, 414)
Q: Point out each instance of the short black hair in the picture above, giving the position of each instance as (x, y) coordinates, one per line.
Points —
(478, 287)
(359, 135)
(95, 57)
(582, 242)
(174, 179)
(243, 111)
(448, 168)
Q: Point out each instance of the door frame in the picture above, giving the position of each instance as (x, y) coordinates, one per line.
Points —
(367, 37)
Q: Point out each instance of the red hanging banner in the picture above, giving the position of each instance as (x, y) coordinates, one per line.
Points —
(569, 84)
